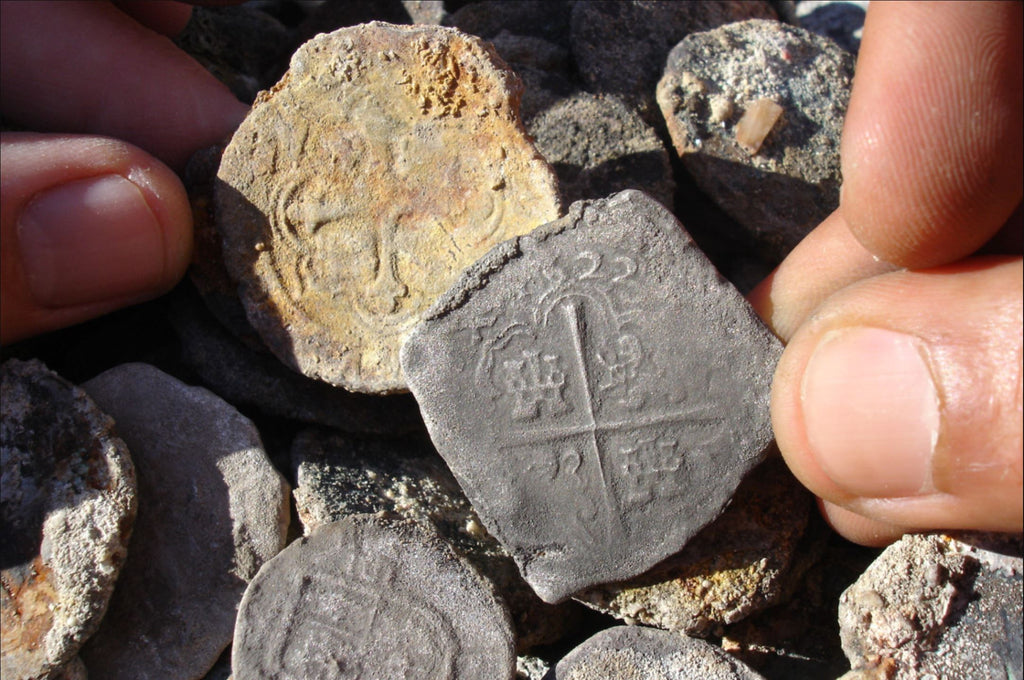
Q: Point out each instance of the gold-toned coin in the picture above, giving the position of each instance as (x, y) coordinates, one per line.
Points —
(385, 161)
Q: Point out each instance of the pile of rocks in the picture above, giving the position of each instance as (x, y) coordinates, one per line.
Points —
(483, 207)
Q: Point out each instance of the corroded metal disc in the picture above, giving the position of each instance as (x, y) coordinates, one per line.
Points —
(598, 390)
(365, 597)
(386, 160)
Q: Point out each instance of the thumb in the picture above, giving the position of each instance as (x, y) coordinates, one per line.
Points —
(900, 399)
(87, 225)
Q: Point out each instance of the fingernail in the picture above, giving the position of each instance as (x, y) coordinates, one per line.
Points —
(90, 240)
(871, 411)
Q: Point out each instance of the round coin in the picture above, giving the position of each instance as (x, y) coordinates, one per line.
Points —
(366, 597)
(385, 161)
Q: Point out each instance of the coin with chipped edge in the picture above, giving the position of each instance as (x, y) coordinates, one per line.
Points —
(68, 504)
(598, 390)
(385, 161)
(367, 597)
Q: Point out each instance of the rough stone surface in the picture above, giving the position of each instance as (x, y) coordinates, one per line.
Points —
(212, 510)
(598, 390)
(238, 45)
(424, 11)
(366, 597)
(72, 670)
(599, 145)
(531, 668)
(385, 161)
(620, 47)
(67, 506)
(635, 653)
(739, 564)
(791, 183)
(245, 376)
(933, 606)
(339, 475)
(799, 638)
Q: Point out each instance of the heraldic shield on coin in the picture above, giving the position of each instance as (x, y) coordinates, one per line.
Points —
(366, 597)
(598, 389)
(385, 161)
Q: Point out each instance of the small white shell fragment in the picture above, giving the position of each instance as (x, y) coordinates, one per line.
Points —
(757, 121)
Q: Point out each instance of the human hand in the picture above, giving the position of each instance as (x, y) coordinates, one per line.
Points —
(97, 220)
(898, 399)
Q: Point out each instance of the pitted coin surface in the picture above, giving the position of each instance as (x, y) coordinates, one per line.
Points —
(365, 597)
(598, 390)
(636, 653)
(385, 161)
(66, 512)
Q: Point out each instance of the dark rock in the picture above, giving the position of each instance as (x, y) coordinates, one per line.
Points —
(337, 476)
(740, 564)
(599, 145)
(529, 50)
(548, 19)
(629, 652)
(934, 606)
(598, 390)
(842, 21)
(385, 161)
(371, 598)
(238, 45)
(242, 376)
(755, 110)
(212, 510)
(67, 509)
(620, 47)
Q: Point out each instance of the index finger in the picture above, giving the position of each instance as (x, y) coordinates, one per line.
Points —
(932, 145)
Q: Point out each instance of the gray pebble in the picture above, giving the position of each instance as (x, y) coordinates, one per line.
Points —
(599, 145)
(340, 475)
(366, 597)
(934, 606)
(598, 390)
(620, 47)
(67, 507)
(635, 653)
(212, 510)
(777, 177)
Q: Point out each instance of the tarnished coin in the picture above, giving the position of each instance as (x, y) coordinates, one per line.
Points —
(386, 160)
(635, 652)
(366, 597)
(212, 510)
(598, 389)
(66, 513)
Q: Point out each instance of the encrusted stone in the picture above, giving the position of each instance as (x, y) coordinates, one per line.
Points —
(755, 110)
(934, 606)
(366, 597)
(598, 390)
(212, 510)
(340, 475)
(741, 563)
(67, 507)
(599, 145)
(630, 652)
(385, 161)
(620, 47)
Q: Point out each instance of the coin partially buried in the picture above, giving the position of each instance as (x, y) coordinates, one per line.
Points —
(598, 390)
(365, 597)
(385, 161)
